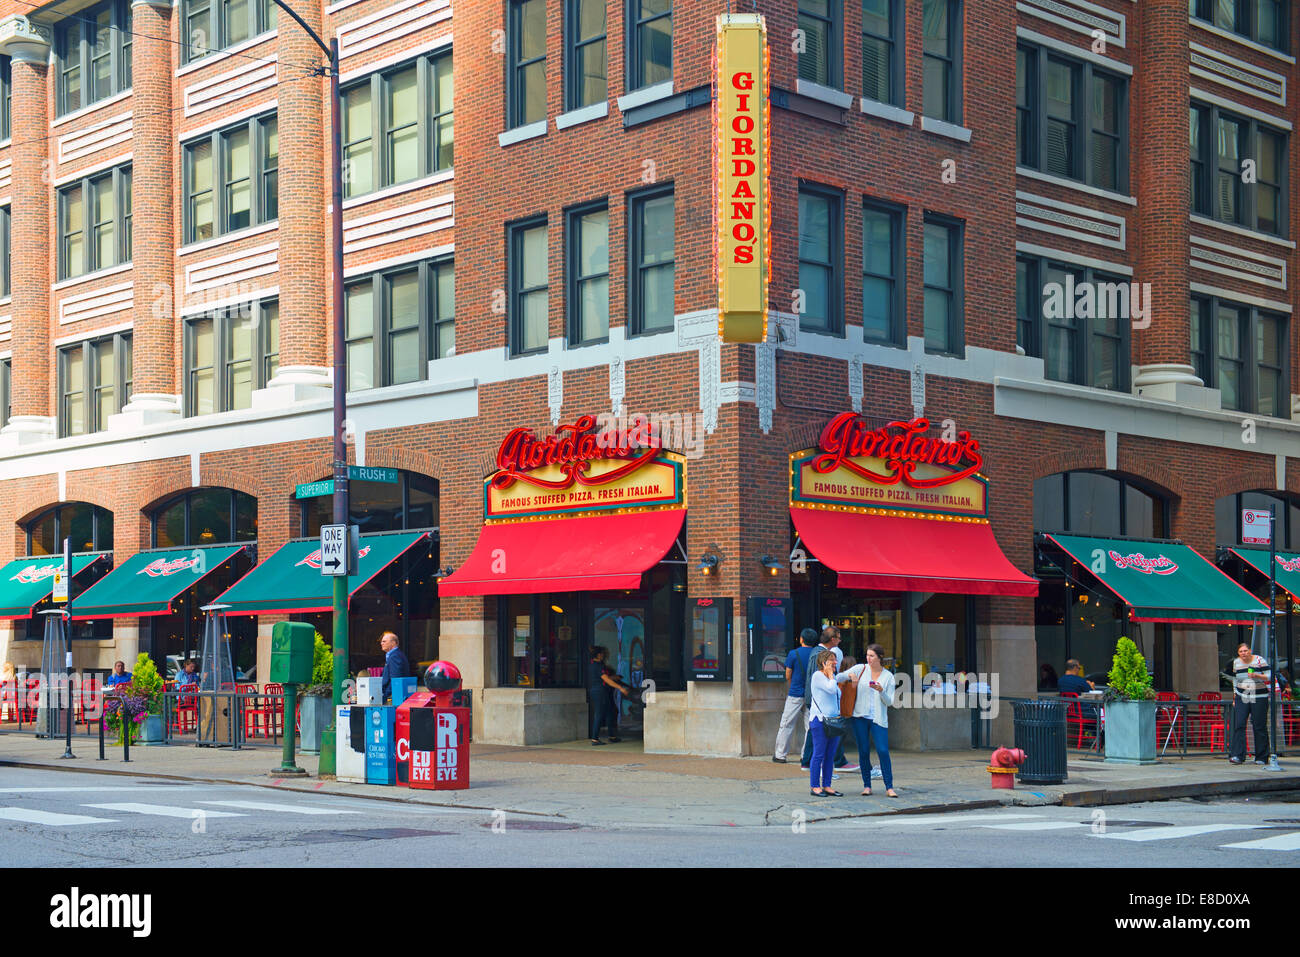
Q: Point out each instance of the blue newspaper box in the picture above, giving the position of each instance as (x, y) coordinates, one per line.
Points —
(381, 760)
(402, 688)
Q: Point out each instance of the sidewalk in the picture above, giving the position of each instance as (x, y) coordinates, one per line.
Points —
(619, 785)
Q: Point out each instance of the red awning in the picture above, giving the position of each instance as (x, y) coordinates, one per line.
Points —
(893, 553)
(565, 554)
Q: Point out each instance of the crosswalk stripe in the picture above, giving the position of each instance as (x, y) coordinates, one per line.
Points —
(1034, 826)
(922, 819)
(1171, 833)
(285, 808)
(1282, 842)
(28, 816)
(162, 810)
(101, 789)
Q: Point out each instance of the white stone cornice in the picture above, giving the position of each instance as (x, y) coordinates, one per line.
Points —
(24, 41)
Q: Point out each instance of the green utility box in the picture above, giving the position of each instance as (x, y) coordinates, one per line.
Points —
(292, 650)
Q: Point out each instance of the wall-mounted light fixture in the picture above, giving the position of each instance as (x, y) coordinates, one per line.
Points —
(771, 564)
(442, 573)
(709, 563)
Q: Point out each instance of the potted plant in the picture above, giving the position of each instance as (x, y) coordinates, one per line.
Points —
(137, 706)
(1130, 708)
(316, 701)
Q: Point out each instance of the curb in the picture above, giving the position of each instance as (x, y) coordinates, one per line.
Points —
(1171, 792)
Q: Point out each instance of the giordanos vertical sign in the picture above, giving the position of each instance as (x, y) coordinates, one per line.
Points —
(743, 149)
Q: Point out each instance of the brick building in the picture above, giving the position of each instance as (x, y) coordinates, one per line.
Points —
(961, 195)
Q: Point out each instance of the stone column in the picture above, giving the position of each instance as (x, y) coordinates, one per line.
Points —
(156, 394)
(1160, 180)
(33, 420)
(305, 300)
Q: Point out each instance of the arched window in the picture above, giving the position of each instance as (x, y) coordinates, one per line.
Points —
(1227, 516)
(89, 526)
(1099, 503)
(205, 516)
(410, 502)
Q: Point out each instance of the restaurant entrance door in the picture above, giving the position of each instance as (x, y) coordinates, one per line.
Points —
(624, 630)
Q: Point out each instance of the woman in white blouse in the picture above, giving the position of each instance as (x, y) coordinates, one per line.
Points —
(825, 704)
(871, 715)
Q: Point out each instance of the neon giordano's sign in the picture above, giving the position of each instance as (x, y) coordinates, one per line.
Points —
(33, 574)
(573, 449)
(901, 447)
(1160, 565)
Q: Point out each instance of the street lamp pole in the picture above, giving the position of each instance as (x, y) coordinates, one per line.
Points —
(328, 757)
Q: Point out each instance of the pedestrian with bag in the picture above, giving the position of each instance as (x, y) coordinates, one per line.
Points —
(825, 726)
(867, 692)
(796, 672)
(830, 640)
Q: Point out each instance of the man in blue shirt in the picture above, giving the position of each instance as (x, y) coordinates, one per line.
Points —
(395, 663)
(796, 670)
(189, 676)
(1073, 680)
(120, 675)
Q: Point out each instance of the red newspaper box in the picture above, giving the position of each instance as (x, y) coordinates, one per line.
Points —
(402, 733)
(439, 746)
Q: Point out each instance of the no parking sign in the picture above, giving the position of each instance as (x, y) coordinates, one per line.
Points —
(1256, 528)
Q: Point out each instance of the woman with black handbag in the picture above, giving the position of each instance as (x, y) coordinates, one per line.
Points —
(870, 714)
(825, 726)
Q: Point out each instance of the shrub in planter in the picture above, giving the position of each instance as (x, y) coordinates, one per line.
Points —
(1130, 708)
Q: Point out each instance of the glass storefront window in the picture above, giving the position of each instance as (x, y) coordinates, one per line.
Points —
(518, 624)
(378, 506)
(89, 526)
(939, 626)
(209, 516)
(1094, 504)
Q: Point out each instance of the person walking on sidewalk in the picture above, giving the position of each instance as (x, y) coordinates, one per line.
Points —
(796, 672)
(830, 641)
(1251, 678)
(600, 702)
(825, 695)
(871, 715)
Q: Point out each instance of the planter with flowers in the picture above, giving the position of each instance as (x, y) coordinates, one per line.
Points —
(137, 706)
(1130, 708)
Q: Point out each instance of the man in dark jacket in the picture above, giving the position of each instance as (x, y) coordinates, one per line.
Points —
(395, 663)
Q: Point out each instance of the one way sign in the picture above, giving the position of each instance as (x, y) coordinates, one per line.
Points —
(338, 550)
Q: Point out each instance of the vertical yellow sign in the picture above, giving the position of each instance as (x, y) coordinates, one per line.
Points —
(743, 150)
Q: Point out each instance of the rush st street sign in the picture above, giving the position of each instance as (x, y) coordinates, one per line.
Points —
(743, 148)
(356, 473)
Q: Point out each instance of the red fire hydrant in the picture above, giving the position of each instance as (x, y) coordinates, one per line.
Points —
(1003, 769)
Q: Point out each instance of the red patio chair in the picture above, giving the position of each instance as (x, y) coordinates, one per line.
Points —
(1167, 730)
(274, 706)
(1077, 723)
(1208, 726)
(90, 701)
(186, 716)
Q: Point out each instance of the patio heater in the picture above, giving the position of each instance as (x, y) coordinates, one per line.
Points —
(217, 719)
(54, 706)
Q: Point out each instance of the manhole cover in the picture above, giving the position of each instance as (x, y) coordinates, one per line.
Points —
(514, 825)
(372, 834)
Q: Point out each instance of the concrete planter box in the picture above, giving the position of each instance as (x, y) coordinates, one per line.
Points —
(151, 729)
(1130, 730)
(314, 717)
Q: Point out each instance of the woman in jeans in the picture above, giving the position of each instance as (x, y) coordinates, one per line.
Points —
(825, 704)
(871, 715)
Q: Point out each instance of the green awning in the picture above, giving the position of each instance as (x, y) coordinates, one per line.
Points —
(146, 584)
(290, 581)
(27, 582)
(1164, 581)
(1288, 567)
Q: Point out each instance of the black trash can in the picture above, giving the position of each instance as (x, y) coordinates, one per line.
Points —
(1040, 733)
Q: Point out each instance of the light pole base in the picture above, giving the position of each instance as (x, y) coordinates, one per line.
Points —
(65, 755)
(1272, 764)
(292, 772)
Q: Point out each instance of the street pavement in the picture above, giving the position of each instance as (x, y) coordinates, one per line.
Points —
(61, 819)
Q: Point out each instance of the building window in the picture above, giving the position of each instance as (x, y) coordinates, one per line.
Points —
(229, 353)
(232, 179)
(1096, 503)
(206, 516)
(650, 43)
(6, 391)
(943, 285)
(1242, 351)
(409, 503)
(819, 57)
(882, 38)
(821, 256)
(1220, 145)
(6, 98)
(585, 58)
(652, 260)
(397, 320)
(1264, 21)
(1076, 320)
(529, 284)
(1071, 118)
(93, 56)
(409, 112)
(212, 25)
(89, 526)
(94, 383)
(882, 274)
(94, 223)
(526, 76)
(587, 236)
(940, 48)
(5, 251)
(1286, 510)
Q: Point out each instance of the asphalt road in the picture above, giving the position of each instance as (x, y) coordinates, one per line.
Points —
(63, 819)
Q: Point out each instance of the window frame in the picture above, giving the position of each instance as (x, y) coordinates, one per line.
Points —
(96, 529)
(573, 44)
(634, 67)
(636, 201)
(895, 42)
(118, 178)
(6, 98)
(1246, 21)
(6, 251)
(122, 381)
(259, 173)
(381, 332)
(221, 380)
(574, 280)
(262, 20)
(187, 498)
(119, 54)
(953, 58)
(1084, 120)
(516, 101)
(6, 390)
(835, 283)
(514, 276)
(898, 280)
(957, 264)
(834, 22)
(428, 146)
(1248, 326)
(1205, 168)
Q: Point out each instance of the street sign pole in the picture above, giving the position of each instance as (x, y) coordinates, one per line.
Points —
(1272, 639)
